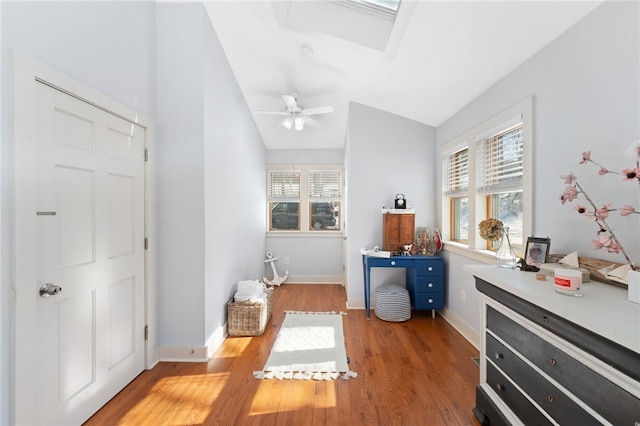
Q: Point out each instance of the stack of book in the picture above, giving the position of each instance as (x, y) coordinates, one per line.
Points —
(375, 252)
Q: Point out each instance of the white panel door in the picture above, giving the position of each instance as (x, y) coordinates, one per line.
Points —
(90, 243)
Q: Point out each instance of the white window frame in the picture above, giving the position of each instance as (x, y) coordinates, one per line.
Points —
(476, 246)
(305, 198)
(460, 188)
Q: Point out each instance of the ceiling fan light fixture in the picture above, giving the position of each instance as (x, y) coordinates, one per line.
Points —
(299, 122)
(287, 123)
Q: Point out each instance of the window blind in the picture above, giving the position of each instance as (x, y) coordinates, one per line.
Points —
(325, 183)
(458, 174)
(284, 185)
(500, 162)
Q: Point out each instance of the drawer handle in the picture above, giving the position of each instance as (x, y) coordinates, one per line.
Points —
(552, 361)
(499, 355)
(430, 268)
(430, 285)
(545, 318)
(430, 300)
(393, 262)
(499, 387)
(550, 398)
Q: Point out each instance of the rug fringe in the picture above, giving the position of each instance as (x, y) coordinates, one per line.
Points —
(304, 375)
(349, 375)
(317, 313)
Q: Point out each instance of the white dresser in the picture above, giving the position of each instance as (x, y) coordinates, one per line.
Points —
(548, 358)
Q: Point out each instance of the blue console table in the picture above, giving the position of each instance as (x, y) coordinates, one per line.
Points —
(424, 277)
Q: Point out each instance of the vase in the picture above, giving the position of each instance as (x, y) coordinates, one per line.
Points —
(505, 256)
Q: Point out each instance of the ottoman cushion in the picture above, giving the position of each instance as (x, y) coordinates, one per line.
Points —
(392, 303)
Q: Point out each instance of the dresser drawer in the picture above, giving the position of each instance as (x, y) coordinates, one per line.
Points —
(618, 357)
(609, 400)
(520, 405)
(429, 284)
(384, 262)
(427, 300)
(428, 267)
(551, 399)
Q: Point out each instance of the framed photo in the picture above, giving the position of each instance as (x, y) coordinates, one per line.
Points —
(537, 251)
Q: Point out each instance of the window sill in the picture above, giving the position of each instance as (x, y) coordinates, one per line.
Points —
(484, 256)
(304, 234)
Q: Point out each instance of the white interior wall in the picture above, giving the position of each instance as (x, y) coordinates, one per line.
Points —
(388, 154)
(305, 156)
(586, 97)
(180, 174)
(235, 182)
(211, 235)
(312, 258)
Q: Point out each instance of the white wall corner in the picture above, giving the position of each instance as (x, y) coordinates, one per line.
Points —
(215, 341)
(194, 353)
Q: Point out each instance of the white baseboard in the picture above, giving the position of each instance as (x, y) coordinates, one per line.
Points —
(194, 353)
(461, 327)
(182, 354)
(355, 304)
(314, 279)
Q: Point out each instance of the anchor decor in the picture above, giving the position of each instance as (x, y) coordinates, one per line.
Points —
(277, 280)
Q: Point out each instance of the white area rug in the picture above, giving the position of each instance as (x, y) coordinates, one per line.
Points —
(309, 346)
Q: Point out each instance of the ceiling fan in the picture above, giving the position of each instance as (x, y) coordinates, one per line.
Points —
(297, 116)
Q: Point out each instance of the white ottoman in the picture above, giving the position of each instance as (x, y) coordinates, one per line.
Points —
(392, 303)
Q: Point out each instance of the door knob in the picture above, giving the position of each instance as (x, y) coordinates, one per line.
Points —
(49, 289)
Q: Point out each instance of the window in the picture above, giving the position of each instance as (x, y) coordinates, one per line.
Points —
(390, 6)
(458, 193)
(489, 177)
(305, 199)
(284, 199)
(500, 179)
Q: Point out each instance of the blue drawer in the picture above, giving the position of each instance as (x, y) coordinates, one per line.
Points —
(428, 301)
(433, 284)
(429, 267)
(397, 262)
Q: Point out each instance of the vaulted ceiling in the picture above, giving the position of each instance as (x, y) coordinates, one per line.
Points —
(434, 59)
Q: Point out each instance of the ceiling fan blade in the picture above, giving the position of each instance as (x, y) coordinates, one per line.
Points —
(290, 101)
(272, 112)
(311, 122)
(318, 110)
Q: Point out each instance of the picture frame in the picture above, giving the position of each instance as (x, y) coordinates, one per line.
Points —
(537, 251)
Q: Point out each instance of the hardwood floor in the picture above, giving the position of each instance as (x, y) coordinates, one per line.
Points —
(417, 372)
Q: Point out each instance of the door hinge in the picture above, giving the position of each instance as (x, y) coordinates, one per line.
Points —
(146, 154)
(146, 332)
(146, 243)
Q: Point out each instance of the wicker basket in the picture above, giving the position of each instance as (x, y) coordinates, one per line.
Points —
(247, 318)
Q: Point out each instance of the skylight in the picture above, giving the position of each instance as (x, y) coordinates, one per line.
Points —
(386, 5)
(368, 23)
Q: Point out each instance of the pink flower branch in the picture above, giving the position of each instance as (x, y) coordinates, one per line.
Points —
(609, 242)
(607, 239)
